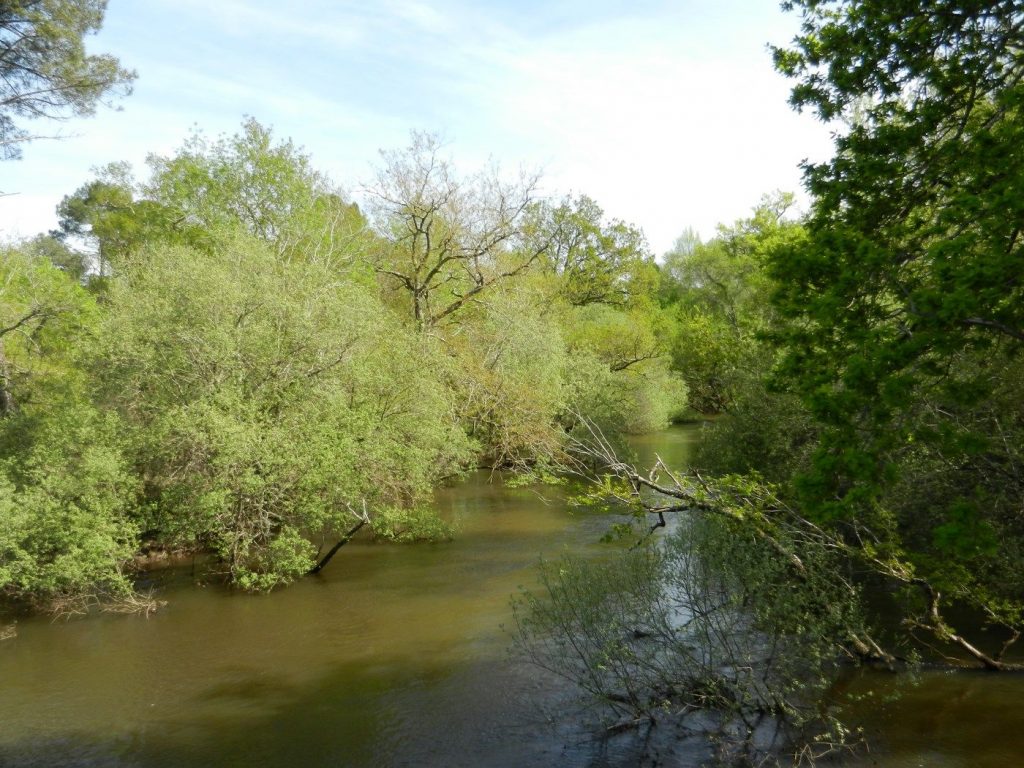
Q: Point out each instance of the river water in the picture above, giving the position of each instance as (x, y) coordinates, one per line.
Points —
(394, 656)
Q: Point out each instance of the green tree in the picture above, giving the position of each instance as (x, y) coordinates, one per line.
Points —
(718, 293)
(904, 306)
(56, 251)
(596, 261)
(507, 370)
(208, 192)
(618, 371)
(44, 69)
(66, 490)
(103, 219)
(268, 405)
(248, 181)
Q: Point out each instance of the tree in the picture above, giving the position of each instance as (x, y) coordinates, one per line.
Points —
(268, 189)
(446, 240)
(596, 261)
(57, 252)
(104, 220)
(44, 69)
(718, 293)
(267, 404)
(207, 192)
(506, 368)
(618, 374)
(66, 489)
(904, 306)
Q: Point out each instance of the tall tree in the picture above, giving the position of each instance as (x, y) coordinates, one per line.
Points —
(207, 192)
(596, 260)
(718, 292)
(906, 301)
(447, 239)
(45, 71)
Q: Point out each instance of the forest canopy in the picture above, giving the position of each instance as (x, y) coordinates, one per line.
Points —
(262, 366)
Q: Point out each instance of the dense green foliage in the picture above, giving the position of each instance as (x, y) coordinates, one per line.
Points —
(903, 308)
(66, 529)
(718, 293)
(263, 369)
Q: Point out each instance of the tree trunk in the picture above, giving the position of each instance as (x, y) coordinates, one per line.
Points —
(334, 550)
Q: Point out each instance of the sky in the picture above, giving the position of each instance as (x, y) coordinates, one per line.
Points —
(667, 112)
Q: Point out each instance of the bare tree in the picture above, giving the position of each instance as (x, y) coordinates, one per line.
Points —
(445, 239)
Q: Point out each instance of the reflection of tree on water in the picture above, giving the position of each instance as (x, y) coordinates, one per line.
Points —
(704, 629)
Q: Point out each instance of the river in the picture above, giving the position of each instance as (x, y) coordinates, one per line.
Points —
(394, 656)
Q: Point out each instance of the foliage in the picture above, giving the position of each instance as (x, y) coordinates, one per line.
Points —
(767, 433)
(507, 370)
(65, 489)
(247, 181)
(106, 216)
(53, 250)
(66, 532)
(903, 305)
(206, 193)
(718, 293)
(44, 69)
(262, 407)
(618, 372)
(596, 261)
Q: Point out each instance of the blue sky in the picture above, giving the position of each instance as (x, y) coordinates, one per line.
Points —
(667, 113)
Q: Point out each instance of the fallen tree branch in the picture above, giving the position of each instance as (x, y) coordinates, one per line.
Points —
(362, 519)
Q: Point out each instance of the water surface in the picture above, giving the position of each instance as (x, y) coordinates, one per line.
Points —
(394, 656)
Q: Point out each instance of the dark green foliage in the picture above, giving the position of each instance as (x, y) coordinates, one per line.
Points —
(44, 69)
(769, 433)
(903, 308)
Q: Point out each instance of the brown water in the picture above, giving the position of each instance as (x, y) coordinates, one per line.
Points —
(395, 656)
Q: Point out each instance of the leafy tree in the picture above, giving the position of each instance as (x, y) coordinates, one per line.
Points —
(268, 405)
(57, 252)
(618, 374)
(596, 261)
(507, 371)
(66, 491)
(904, 305)
(206, 193)
(104, 219)
(41, 310)
(44, 69)
(269, 190)
(719, 294)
